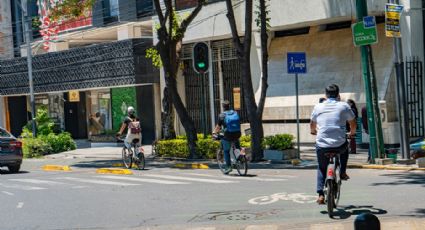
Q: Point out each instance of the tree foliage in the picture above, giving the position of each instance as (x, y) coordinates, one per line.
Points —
(71, 9)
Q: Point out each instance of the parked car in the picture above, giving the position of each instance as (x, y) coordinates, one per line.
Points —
(10, 151)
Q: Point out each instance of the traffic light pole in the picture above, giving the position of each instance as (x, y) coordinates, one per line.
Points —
(401, 96)
(361, 10)
(211, 87)
(27, 25)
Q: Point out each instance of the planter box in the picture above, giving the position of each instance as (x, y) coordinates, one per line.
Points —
(103, 138)
(287, 154)
(421, 162)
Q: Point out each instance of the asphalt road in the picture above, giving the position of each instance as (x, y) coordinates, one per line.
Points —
(166, 198)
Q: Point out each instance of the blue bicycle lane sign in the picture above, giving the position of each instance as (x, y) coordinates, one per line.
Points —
(297, 62)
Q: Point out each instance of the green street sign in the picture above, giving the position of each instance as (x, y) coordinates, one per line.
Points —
(364, 36)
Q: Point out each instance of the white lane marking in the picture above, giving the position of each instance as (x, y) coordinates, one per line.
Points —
(79, 186)
(36, 181)
(190, 179)
(143, 180)
(20, 205)
(238, 177)
(23, 187)
(8, 193)
(106, 182)
(300, 198)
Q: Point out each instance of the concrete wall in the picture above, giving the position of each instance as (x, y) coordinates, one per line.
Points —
(6, 40)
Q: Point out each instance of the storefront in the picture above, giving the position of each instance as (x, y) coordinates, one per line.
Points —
(86, 90)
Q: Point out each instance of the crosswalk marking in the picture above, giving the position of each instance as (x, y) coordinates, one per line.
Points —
(8, 193)
(23, 187)
(190, 179)
(97, 181)
(238, 177)
(37, 181)
(143, 180)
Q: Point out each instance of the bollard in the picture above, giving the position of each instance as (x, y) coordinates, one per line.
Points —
(367, 221)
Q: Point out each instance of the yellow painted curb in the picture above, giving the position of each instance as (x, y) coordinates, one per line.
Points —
(191, 166)
(114, 171)
(386, 167)
(56, 168)
(122, 165)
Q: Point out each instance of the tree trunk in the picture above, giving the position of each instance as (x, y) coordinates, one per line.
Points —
(251, 106)
(167, 117)
(186, 120)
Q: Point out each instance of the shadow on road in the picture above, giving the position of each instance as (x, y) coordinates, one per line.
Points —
(8, 172)
(344, 212)
(418, 213)
(404, 179)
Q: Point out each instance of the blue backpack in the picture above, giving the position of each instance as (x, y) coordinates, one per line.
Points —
(232, 121)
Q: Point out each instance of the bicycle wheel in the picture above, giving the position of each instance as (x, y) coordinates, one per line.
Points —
(220, 160)
(127, 157)
(330, 199)
(337, 187)
(140, 160)
(242, 165)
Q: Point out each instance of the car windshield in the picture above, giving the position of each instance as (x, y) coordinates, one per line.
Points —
(3, 133)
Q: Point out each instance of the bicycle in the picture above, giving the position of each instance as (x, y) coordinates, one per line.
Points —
(333, 182)
(237, 158)
(129, 158)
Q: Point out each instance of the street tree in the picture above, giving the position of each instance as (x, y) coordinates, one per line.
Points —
(243, 50)
(170, 33)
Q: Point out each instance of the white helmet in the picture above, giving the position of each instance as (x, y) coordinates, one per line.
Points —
(130, 110)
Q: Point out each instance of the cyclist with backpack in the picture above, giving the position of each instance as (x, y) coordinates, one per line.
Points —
(132, 123)
(229, 123)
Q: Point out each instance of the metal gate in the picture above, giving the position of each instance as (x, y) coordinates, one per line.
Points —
(415, 96)
(225, 65)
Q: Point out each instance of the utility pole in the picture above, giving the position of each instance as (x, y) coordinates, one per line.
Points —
(361, 11)
(27, 24)
(401, 96)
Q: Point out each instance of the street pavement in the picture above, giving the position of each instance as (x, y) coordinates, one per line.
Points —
(162, 197)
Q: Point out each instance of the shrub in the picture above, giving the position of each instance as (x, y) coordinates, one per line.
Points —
(172, 148)
(61, 142)
(245, 141)
(206, 148)
(44, 123)
(35, 147)
(278, 142)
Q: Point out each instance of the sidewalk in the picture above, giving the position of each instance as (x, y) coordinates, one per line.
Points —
(110, 155)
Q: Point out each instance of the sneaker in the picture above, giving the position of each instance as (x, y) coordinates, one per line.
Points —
(321, 200)
(227, 170)
(344, 176)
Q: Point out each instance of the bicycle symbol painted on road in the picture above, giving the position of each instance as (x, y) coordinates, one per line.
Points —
(300, 198)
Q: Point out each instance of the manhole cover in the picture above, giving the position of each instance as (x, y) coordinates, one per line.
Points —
(238, 215)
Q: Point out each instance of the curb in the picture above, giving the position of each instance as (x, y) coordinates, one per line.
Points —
(191, 166)
(56, 168)
(385, 167)
(122, 165)
(114, 171)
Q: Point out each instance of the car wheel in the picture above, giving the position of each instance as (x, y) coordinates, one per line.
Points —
(14, 168)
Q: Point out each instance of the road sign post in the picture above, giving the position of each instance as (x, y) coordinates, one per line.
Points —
(297, 63)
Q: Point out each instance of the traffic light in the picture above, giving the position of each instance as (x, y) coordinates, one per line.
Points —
(201, 57)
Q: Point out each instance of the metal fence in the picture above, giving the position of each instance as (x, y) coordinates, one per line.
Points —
(415, 95)
(225, 64)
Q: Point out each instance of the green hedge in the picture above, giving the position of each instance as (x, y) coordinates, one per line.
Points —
(47, 141)
(206, 148)
(278, 142)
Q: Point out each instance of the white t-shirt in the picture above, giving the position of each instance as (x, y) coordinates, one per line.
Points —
(331, 117)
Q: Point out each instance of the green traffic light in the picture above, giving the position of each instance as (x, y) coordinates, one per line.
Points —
(201, 64)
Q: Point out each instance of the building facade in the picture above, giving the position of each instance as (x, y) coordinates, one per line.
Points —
(88, 73)
(322, 29)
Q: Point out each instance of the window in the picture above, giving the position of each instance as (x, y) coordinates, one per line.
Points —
(294, 32)
(144, 7)
(113, 7)
(3, 133)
